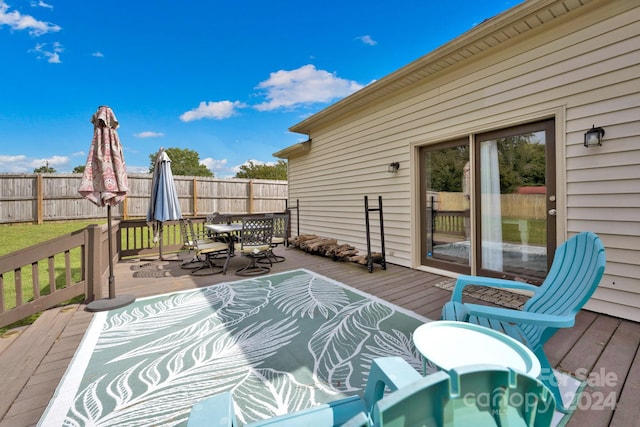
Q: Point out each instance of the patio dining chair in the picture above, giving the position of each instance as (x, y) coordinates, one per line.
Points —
(255, 244)
(207, 251)
(280, 234)
(216, 218)
(575, 273)
(397, 395)
(190, 242)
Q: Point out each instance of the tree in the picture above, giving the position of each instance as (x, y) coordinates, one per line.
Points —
(253, 170)
(79, 169)
(183, 162)
(44, 169)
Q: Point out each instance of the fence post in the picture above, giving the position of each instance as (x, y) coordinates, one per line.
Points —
(93, 261)
(195, 196)
(250, 196)
(40, 202)
(125, 209)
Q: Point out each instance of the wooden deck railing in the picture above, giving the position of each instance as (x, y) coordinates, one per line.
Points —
(47, 274)
(449, 223)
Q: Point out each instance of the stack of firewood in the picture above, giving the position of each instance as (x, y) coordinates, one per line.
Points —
(331, 248)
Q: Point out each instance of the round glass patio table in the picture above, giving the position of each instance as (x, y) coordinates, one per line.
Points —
(450, 344)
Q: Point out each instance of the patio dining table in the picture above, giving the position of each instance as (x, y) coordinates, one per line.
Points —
(231, 231)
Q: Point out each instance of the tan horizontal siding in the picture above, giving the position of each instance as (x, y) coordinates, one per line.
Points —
(585, 65)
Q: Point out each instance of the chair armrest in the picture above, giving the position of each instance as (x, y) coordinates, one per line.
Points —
(392, 372)
(517, 316)
(213, 411)
(465, 280)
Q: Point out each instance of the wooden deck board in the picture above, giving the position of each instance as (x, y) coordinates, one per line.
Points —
(627, 411)
(23, 357)
(606, 380)
(595, 342)
(586, 352)
(561, 343)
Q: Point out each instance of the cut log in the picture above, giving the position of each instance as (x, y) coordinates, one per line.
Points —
(298, 240)
(334, 250)
(329, 247)
(363, 259)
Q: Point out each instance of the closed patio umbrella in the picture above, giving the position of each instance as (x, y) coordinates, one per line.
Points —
(164, 204)
(104, 183)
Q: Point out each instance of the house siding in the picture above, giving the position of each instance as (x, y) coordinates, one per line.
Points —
(583, 68)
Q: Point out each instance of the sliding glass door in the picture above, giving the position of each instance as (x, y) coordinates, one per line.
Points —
(445, 171)
(509, 230)
(516, 204)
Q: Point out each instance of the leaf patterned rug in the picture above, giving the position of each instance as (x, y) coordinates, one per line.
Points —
(280, 343)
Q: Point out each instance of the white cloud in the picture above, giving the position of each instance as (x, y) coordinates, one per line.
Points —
(367, 40)
(16, 21)
(55, 162)
(214, 164)
(212, 110)
(218, 167)
(305, 85)
(24, 164)
(52, 53)
(148, 134)
(14, 164)
(41, 4)
(97, 54)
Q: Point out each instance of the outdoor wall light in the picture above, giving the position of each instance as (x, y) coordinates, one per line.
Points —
(393, 167)
(593, 137)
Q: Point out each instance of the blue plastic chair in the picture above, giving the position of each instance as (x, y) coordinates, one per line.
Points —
(576, 271)
(481, 395)
(387, 373)
(474, 395)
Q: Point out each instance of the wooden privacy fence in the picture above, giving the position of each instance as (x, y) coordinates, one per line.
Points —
(53, 197)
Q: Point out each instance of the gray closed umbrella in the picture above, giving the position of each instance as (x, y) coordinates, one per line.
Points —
(164, 204)
(105, 183)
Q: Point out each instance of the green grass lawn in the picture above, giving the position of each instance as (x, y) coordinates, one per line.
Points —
(20, 236)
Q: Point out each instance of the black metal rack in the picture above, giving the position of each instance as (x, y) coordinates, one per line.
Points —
(367, 209)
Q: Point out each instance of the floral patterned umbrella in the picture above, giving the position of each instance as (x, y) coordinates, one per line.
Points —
(105, 176)
(105, 183)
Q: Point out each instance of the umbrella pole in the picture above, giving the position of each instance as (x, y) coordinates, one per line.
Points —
(112, 302)
(160, 235)
(112, 279)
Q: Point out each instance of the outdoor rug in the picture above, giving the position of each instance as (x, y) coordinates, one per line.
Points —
(280, 343)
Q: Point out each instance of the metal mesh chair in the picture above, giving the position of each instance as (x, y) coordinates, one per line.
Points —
(189, 242)
(280, 235)
(255, 244)
(206, 251)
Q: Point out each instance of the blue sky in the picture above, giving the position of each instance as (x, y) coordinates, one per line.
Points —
(224, 78)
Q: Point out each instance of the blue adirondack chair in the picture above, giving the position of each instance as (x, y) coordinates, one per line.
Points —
(390, 373)
(576, 271)
(481, 395)
(474, 395)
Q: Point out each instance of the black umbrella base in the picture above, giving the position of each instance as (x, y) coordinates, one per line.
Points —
(110, 303)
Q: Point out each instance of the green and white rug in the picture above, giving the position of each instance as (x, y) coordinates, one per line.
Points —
(280, 343)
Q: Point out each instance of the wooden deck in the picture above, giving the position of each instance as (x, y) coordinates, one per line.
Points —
(33, 359)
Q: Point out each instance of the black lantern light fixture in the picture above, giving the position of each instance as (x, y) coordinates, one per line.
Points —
(593, 137)
(393, 167)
